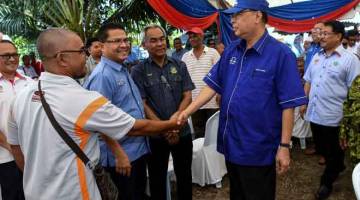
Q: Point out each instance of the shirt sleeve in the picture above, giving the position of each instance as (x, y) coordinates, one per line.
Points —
(102, 84)
(353, 71)
(12, 128)
(110, 120)
(187, 83)
(136, 75)
(213, 78)
(289, 89)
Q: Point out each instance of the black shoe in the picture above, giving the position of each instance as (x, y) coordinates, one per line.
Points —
(323, 192)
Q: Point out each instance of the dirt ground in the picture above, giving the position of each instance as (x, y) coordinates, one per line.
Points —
(300, 183)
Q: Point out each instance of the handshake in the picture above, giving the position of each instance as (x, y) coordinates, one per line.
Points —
(177, 120)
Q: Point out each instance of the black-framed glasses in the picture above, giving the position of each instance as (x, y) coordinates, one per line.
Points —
(82, 50)
(118, 41)
(8, 56)
(326, 34)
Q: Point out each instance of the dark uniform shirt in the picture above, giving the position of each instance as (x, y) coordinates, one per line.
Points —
(163, 87)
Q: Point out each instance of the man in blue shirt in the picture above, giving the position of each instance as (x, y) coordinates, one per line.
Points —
(260, 85)
(328, 79)
(315, 45)
(179, 50)
(111, 78)
(165, 86)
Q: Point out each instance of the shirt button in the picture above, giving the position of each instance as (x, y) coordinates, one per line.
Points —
(320, 76)
(317, 85)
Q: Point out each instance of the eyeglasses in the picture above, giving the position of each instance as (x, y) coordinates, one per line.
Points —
(82, 50)
(7, 57)
(118, 41)
(326, 34)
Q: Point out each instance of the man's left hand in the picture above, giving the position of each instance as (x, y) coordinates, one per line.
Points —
(282, 160)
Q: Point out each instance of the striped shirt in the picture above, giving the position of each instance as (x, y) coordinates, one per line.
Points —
(199, 68)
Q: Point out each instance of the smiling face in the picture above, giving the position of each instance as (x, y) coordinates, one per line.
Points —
(329, 39)
(117, 46)
(155, 42)
(9, 59)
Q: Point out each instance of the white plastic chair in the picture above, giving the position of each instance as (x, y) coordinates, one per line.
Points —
(356, 181)
(208, 166)
(192, 131)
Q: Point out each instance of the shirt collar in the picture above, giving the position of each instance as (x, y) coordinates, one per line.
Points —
(58, 79)
(338, 51)
(205, 50)
(112, 64)
(259, 45)
(17, 76)
(167, 60)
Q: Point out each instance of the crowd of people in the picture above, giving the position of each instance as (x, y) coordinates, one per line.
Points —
(128, 116)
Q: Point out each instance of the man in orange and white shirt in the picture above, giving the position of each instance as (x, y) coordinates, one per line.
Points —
(199, 60)
(51, 169)
(11, 82)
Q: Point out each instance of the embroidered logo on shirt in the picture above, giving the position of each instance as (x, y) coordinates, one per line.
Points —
(173, 70)
(233, 60)
(336, 63)
(121, 82)
(149, 74)
(316, 61)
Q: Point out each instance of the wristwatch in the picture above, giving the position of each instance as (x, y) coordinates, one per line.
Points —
(285, 145)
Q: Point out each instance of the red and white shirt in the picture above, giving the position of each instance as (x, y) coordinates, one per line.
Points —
(8, 90)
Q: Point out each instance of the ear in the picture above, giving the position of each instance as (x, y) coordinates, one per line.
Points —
(258, 17)
(60, 60)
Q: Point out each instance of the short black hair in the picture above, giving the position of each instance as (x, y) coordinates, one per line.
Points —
(210, 40)
(102, 34)
(177, 39)
(337, 27)
(352, 33)
(8, 42)
(90, 41)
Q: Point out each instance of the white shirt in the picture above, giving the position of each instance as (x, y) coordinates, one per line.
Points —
(52, 170)
(199, 68)
(8, 91)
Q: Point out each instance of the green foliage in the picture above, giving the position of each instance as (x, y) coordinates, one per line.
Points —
(27, 18)
(23, 45)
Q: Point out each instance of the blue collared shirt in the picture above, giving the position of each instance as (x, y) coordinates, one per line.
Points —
(330, 78)
(313, 49)
(256, 85)
(114, 82)
(178, 55)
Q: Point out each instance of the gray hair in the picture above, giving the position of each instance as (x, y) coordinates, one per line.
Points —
(151, 26)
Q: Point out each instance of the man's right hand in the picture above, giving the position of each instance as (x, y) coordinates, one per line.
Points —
(303, 111)
(183, 117)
